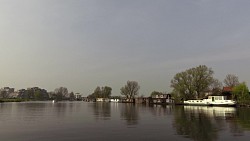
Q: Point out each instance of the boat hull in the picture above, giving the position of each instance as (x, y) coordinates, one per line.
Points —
(212, 101)
(197, 103)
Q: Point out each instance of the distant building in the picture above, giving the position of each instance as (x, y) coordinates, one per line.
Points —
(161, 99)
(142, 100)
(114, 100)
(228, 91)
(78, 96)
(102, 99)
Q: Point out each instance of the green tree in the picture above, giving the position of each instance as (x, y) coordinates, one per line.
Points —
(29, 94)
(97, 92)
(101, 92)
(155, 93)
(106, 91)
(192, 83)
(38, 95)
(72, 96)
(241, 93)
(130, 90)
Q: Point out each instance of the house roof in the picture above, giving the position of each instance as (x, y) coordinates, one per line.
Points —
(227, 89)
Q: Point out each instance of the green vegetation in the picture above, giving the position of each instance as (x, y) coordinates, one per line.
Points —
(241, 93)
(12, 100)
(155, 93)
(192, 83)
(101, 92)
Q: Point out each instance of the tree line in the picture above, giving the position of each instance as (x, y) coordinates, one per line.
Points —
(195, 83)
(38, 94)
(130, 90)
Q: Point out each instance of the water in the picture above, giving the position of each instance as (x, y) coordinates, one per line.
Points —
(81, 121)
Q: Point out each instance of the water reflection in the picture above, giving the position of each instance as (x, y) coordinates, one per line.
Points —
(243, 118)
(161, 110)
(130, 113)
(212, 112)
(102, 110)
(110, 121)
(205, 123)
(194, 123)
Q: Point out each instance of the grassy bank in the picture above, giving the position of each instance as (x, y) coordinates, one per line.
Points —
(11, 100)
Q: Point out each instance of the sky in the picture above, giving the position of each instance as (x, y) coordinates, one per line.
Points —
(82, 44)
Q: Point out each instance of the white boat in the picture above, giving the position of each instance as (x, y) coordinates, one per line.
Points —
(203, 102)
(212, 101)
(221, 101)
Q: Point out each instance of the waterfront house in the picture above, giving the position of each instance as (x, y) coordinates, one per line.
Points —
(128, 100)
(142, 100)
(227, 91)
(102, 100)
(78, 96)
(114, 100)
(161, 99)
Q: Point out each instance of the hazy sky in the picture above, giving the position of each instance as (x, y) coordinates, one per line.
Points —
(82, 44)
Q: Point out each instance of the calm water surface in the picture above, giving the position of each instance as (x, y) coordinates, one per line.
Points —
(81, 121)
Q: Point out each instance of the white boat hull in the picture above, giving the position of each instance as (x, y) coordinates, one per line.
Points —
(211, 101)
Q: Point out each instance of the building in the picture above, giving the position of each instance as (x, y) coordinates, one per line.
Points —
(78, 96)
(161, 99)
(102, 100)
(227, 91)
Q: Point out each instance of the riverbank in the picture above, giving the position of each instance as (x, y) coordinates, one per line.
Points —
(11, 100)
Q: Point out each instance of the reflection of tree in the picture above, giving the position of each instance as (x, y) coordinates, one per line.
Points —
(243, 117)
(102, 110)
(196, 126)
(60, 108)
(129, 112)
(161, 110)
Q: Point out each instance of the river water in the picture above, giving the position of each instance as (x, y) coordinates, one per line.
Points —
(83, 121)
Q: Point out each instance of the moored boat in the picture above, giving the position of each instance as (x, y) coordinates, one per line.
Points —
(203, 102)
(212, 101)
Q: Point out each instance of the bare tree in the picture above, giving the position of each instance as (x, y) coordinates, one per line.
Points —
(61, 93)
(231, 80)
(215, 87)
(130, 90)
(4, 94)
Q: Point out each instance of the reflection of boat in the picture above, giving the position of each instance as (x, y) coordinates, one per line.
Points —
(212, 100)
(223, 112)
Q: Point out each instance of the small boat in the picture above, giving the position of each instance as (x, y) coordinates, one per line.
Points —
(212, 101)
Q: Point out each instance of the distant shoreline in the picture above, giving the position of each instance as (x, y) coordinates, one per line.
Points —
(11, 100)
